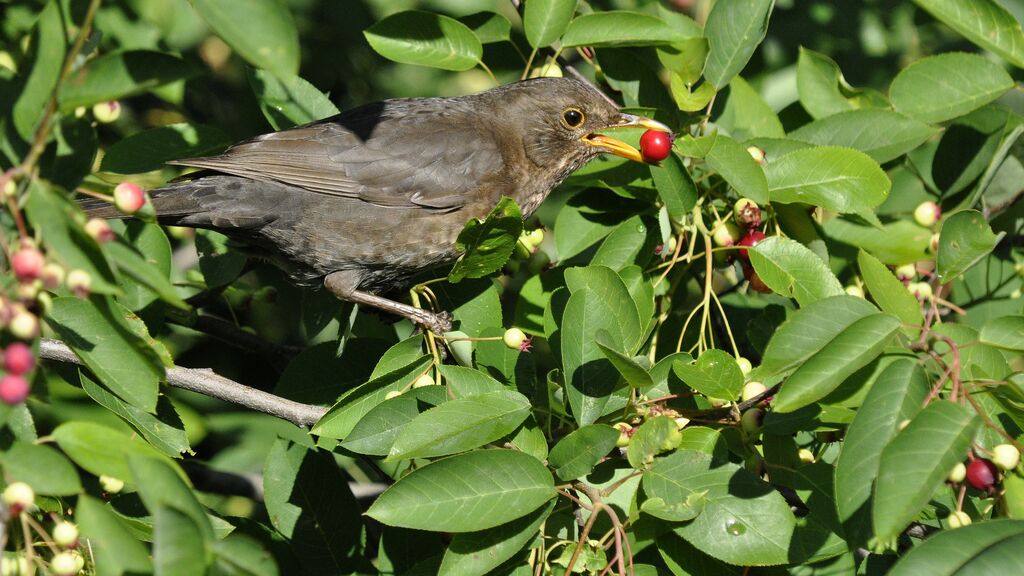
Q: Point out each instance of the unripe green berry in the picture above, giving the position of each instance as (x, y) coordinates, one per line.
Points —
(111, 485)
(927, 213)
(392, 394)
(753, 389)
(423, 381)
(107, 112)
(958, 519)
(745, 365)
(805, 456)
(1006, 456)
(958, 473)
(854, 290)
(19, 496)
(64, 564)
(65, 534)
(516, 339)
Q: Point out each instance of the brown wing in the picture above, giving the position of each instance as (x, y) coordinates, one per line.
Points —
(428, 153)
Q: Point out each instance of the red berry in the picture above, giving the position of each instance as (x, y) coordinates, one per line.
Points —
(655, 145)
(982, 474)
(749, 240)
(18, 358)
(13, 389)
(27, 264)
(129, 198)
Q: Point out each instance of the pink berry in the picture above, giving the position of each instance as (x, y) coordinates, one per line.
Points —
(927, 213)
(18, 359)
(655, 145)
(982, 474)
(13, 389)
(27, 264)
(129, 197)
(99, 230)
(749, 240)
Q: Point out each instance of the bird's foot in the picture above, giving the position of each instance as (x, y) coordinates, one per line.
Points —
(436, 322)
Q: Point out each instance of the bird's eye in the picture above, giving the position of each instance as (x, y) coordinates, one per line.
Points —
(572, 117)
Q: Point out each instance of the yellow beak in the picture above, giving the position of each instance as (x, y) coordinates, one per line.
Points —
(618, 147)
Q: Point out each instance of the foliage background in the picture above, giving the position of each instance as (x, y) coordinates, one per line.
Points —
(215, 487)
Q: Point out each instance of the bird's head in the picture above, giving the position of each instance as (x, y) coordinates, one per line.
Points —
(562, 120)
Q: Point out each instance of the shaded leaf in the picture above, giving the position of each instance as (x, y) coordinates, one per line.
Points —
(261, 31)
(425, 39)
(943, 87)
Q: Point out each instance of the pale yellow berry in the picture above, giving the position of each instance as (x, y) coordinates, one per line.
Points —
(958, 519)
(1006, 456)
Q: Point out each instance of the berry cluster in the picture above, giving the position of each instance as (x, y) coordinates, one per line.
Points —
(63, 540)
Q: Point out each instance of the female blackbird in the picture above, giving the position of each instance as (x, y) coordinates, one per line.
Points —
(365, 200)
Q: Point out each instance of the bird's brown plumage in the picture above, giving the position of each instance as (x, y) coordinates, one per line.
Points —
(380, 193)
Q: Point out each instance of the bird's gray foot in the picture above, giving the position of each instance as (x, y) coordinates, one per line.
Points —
(340, 284)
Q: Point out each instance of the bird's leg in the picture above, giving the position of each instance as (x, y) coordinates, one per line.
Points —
(342, 285)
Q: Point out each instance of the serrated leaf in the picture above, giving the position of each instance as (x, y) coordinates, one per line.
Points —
(852, 349)
(46, 470)
(965, 238)
(620, 28)
(150, 149)
(461, 424)
(1005, 332)
(675, 187)
(115, 549)
(656, 435)
(425, 39)
(791, 269)
(466, 493)
(943, 87)
(838, 179)
(858, 129)
(121, 74)
(634, 374)
(163, 430)
(887, 291)
(288, 100)
(487, 245)
(545, 20)
(715, 373)
(576, 455)
(991, 547)
(44, 63)
(734, 29)
(917, 461)
(824, 91)
(489, 27)
(732, 161)
(480, 552)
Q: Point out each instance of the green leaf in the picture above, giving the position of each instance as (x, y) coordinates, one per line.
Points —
(734, 29)
(633, 373)
(487, 245)
(656, 435)
(176, 541)
(114, 549)
(896, 395)
(887, 291)
(576, 455)
(466, 493)
(121, 74)
(747, 116)
(688, 98)
(622, 247)
(964, 239)
(1005, 332)
(715, 373)
(160, 484)
(375, 433)
(823, 90)
(164, 431)
(489, 27)
(99, 332)
(943, 87)
(858, 129)
(808, 330)
(219, 263)
(545, 20)
(685, 58)
(463, 381)
(916, 463)
(46, 470)
(620, 28)
(425, 39)
(744, 520)
(145, 272)
(852, 349)
(241, 555)
(339, 421)
(44, 63)
(480, 552)
(261, 31)
(991, 547)
(101, 450)
(675, 187)
(599, 301)
(150, 149)
(984, 22)
(460, 425)
(309, 502)
(732, 161)
(791, 269)
(837, 179)
(896, 243)
(288, 101)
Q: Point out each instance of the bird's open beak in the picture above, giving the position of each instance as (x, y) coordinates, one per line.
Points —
(618, 147)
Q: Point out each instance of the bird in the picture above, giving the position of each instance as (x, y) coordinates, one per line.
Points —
(363, 201)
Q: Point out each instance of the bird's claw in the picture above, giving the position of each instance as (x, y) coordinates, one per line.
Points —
(436, 322)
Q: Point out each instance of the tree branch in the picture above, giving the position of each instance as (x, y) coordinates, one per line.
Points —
(206, 382)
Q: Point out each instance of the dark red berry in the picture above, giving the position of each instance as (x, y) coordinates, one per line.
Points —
(655, 145)
(982, 474)
(755, 281)
(18, 358)
(749, 240)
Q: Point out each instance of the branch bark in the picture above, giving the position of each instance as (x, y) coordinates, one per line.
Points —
(207, 382)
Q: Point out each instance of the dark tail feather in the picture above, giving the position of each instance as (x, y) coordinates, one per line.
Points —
(171, 203)
(96, 208)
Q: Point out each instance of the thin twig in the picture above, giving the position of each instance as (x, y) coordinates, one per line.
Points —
(208, 383)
